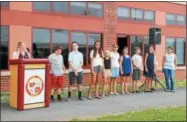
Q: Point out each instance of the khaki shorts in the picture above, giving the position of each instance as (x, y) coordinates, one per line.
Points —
(107, 73)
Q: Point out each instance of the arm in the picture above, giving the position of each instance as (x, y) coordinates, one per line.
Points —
(145, 62)
(81, 63)
(70, 62)
(175, 61)
(15, 55)
(63, 66)
(120, 62)
(163, 61)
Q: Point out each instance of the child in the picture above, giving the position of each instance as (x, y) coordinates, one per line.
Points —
(126, 69)
(115, 69)
(75, 71)
(107, 72)
(57, 71)
(137, 68)
(97, 65)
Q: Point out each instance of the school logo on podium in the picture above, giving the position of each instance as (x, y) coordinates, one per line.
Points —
(34, 85)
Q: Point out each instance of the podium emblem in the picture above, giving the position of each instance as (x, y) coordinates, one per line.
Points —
(34, 85)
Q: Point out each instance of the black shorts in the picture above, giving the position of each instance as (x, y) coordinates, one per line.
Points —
(126, 74)
(78, 78)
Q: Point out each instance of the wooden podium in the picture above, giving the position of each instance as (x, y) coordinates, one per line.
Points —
(29, 83)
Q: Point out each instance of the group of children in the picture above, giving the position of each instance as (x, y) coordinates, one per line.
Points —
(109, 65)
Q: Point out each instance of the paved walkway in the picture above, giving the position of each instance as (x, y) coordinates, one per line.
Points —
(81, 109)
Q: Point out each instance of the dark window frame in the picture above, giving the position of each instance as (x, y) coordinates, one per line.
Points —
(69, 10)
(136, 20)
(87, 66)
(175, 40)
(5, 7)
(175, 24)
(8, 49)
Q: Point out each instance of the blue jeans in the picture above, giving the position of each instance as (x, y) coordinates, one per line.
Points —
(169, 75)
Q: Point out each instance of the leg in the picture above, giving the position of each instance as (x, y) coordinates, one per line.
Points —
(111, 86)
(97, 85)
(52, 95)
(115, 80)
(166, 78)
(91, 85)
(172, 78)
(126, 85)
(104, 86)
(122, 85)
(79, 79)
(146, 83)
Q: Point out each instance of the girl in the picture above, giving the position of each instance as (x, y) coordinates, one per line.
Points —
(169, 64)
(107, 72)
(126, 69)
(21, 52)
(115, 69)
(150, 63)
(97, 64)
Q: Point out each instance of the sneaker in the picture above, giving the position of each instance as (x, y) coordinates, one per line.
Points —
(97, 97)
(116, 93)
(90, 98)
(107, 95)
(173, 91)
(167, 90)
(80, 99)
(137, 91)
(68, 99)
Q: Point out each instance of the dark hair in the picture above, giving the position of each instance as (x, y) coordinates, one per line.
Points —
(75, 43)
(125, 48)
(28, 49)
(169, 47)
(137, 48)
(58, 47)
(99, 51)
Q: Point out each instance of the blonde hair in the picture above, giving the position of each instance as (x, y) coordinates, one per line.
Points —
(19, 44)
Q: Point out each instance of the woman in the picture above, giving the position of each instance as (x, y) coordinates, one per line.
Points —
(115, 69)
(169, 64)
(21, 52)
(97, 66)
(107, 72)
(150, 63)
(126, 69)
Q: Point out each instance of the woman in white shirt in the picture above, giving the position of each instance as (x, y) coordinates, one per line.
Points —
(21, 52)
(168, 65)
(115, 69)
(97, 67)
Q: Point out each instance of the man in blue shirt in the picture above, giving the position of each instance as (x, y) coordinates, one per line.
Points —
(75, 60)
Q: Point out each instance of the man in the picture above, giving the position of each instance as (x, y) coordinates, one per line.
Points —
(75, 60)
(57, 71)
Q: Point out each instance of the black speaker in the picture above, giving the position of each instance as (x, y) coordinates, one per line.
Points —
(154, 36)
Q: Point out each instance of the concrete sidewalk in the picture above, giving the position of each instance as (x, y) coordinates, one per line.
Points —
(91, 108)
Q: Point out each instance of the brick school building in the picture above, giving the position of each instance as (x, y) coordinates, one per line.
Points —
(42, 25)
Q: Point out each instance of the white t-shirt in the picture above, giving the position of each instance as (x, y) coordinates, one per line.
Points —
(170, 62)
(97, 60)
(76, 58)
(137, 59)
(114, 59)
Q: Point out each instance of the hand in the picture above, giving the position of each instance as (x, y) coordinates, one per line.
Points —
(146, 69)
(121, 72)
(92, 71)
(76, 73)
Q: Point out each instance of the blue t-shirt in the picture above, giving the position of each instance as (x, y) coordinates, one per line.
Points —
(126, 64)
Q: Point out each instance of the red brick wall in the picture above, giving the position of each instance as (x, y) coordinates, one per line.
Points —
(179, 75)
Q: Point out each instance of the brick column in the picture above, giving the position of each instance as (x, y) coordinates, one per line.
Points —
(110, 18)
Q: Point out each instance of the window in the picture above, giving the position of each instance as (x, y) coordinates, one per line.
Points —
(60, 37)
(170, 19)
(41, 43)
(149, 15)
(4, 37)
(123, 13)
(80, 38)
(4, 4)
(170, 42)
(136, 41)
(180, 51)
(95, 9)
(181, 20)
(42, 6)
(91, 40)
(178, 45)
(61, 6)
(78, 8)
(137, 14)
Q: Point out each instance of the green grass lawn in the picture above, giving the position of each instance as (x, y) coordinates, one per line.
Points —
(5, 95)
(156, 114)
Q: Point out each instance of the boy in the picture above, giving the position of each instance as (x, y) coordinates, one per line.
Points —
(137, 68)
(57, 71)
(75, 60)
